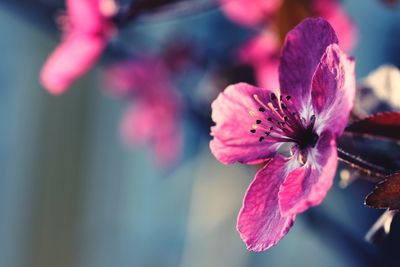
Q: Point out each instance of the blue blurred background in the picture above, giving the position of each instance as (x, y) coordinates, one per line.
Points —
(71, 194)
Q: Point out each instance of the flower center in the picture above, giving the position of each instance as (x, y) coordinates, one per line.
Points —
(279, 121)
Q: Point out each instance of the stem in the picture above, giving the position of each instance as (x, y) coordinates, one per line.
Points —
(375, 173)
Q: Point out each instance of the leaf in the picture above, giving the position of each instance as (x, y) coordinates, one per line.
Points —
(384, 125)
(386, 194)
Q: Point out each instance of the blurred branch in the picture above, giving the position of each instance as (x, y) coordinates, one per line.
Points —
(151, 11)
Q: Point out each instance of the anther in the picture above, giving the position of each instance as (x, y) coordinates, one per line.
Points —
(253, 130)
(281, 97)
(267, 133)
(261, 139)
(284, 107)
(261, 109)
(258, 121)
(269, 119)
(273, 96)
(288, 97)
(285, 118)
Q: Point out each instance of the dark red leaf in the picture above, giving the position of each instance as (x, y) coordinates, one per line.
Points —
(384, 125)
(386, 194)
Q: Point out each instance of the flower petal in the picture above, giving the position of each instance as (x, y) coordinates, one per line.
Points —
(233, 140)
(262, 53)
(260, 222)
(249, 13)
(84, 15)
(333, 12)
(307, 185)
(155, 124)
(71, 59)
(302, 51)
(333, 90)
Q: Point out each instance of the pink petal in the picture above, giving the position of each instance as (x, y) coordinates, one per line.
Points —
(333, 12)
(233, 140)
(84, 15)
(333, 90)
(301, 53)
(71, 59)
(249, 13)
(262, 52)
(138, 77)
(154, 122)
(260, 222)
(125, 78)
(137, 124)
(307, 185)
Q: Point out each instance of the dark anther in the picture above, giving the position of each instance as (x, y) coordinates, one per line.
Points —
(267, 133)
(258, 121)
(253, 131)
(285, 118)
(294, 113)
(269, 119)
(273, 96)
(270, 128)
(261, 109)
(281, 97)
(312, 117)
(261, 138)
(284, 107)
(288, 97)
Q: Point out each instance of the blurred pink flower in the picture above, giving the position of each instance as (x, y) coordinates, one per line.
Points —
(153, 117)
(332, 11)
(88, 29)
(249, 13)
(262, 53)
(293, 130)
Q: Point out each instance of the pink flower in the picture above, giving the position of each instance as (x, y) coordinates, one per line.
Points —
(262, 53)
(154, 113)
(332, 11)
(293, 130)
(249, 13)
(87, 31)
(256, 12)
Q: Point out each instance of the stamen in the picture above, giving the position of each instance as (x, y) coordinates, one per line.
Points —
(259, 101)
(274, 110)
(252, 113)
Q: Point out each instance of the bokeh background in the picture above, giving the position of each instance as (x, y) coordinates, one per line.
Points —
(73, 195)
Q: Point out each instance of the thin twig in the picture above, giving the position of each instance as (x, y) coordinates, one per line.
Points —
(374, 172)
